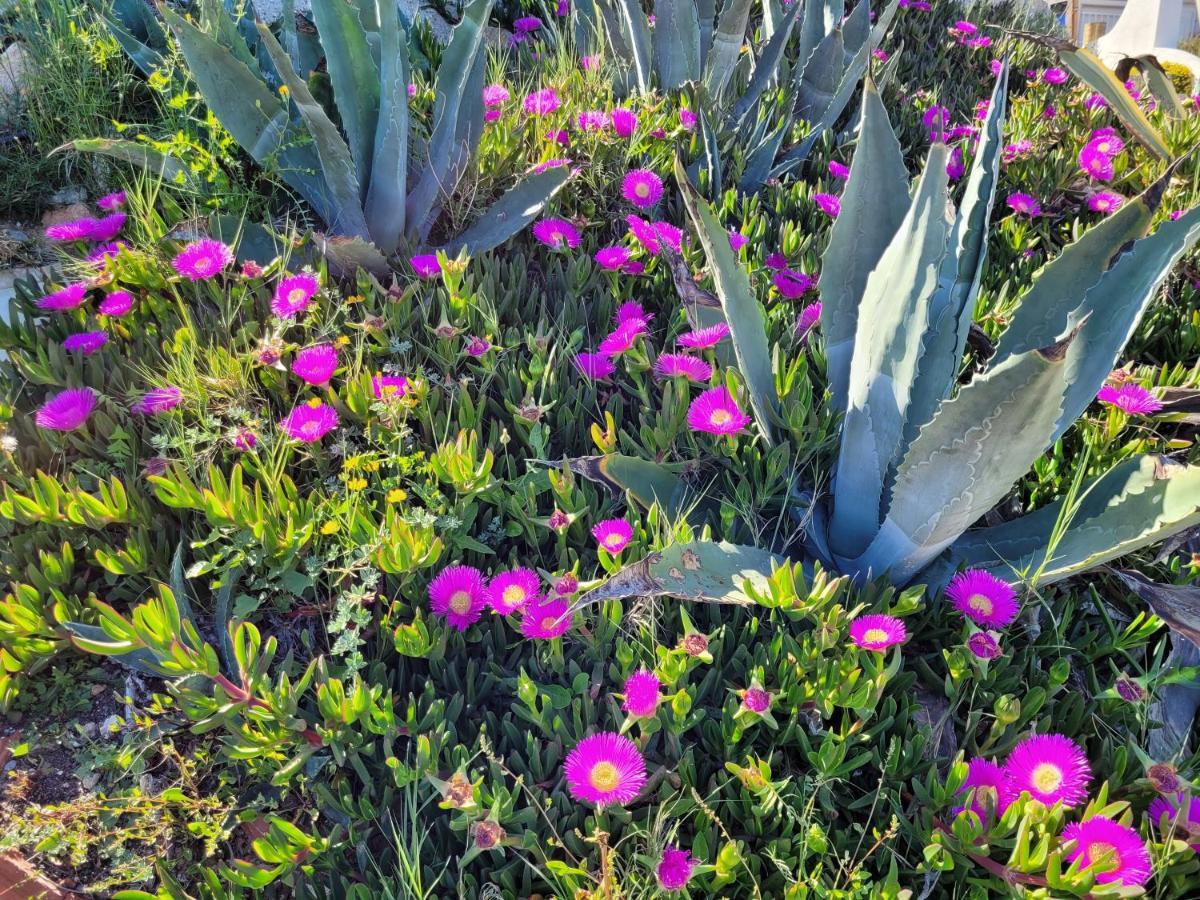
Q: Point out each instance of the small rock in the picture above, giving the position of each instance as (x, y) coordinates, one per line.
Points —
(13, 63)
(112, 726)
(68, 196)
(90, 730)
(64, 213)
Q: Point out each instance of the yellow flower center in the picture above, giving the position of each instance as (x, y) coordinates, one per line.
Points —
(389, 389)
(604, 777)
(614, 540)
(875, 636)
(310, 429)
(980, 604)
(548, 624)
(642, 189)
(1047, 777)
(297, 295)
(513, 594)
(460, 602)
(721, 417)
(1103, 857)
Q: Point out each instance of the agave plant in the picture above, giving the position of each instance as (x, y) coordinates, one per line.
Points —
(921, 459)
(373, 178)
(810, 51)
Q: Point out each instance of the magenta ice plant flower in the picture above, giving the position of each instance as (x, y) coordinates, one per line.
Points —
(808, 318)
(67, 298)
(1177, 815)
(1095, 163)
(632, 313)
(66, 410)
(595, 366)
(716, 412)
(704, 338)
(592, 120)
(112, 201)
(107, 227)
(642, 188)
(674, 869)
(389, 387)
(756, 700)
(622, 339)
(613, 535)
(791, 284)
(605, 769)
(310, 422)
(118, 303)
(612, 258)
(1055, 76)
(556, 233)
(157, 400)
(829, 204)
(641, 694)
(1050, 768)
(624, 122)
(1106, 202)
(986, 779)
(541, 103)
(545, 618)
(1024, 205)
(459, 594)
(687, 118)
(672, 365)
(984, 645)
(1111, 851)
(1130, 398)
(511, 590)
(877, 632)
(839, 171)
(315, 365)
(74, 230)
(85, 342)
(983, 598)
(494, 95)
(293, 294)
(202, 260)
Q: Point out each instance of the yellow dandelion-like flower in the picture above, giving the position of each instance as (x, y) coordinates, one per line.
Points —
(330, 527)
(356, 484)
(373, 466)
(397, 495)
(315, 403)
(342, 340)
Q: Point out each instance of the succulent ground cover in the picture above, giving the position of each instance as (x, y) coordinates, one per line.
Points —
(526, 544)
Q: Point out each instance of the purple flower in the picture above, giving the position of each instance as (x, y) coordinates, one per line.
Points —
(1131, 398)
(624, 122)
(310, 422)
(512, 590)
(112, 201)
(556, 233)
(107, 228)
(157, 401)
(527, 25)
(877, 632)
(66, 410)
(595, 366)
(116, 304)
(791, 284)
(674, 870)
(641, 694)
(808, 318)
(388, 387)
(703, 338)
(85, 342)
(541, 103)
(1024, 205)
(716, 412)
(545, 618)
(1095, 162)
(293, 294)
(737, 241)
(75, 230)
(670, 365)
(642, 188)
(69, 297)
(956, 167)
(1055, 76)
(936, 119)
(612, 258)
(605, 768)
(613, 535)
(983, 645)
(830, 205)
(1106, 202)
(315, 365)
(592, 120)
(983, 598)
(839, 171)
(687, 118)
(494, 95)
(202, 260)
(459, 594)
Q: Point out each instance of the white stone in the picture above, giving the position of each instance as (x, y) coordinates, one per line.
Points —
(1149, 27)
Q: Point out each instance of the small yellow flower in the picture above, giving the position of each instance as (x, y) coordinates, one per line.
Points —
(315, 402)
(351, 462)
(373, 465)
(356, 484)
(330, 527)
(342, 340)
(355, 298)
(397, 495)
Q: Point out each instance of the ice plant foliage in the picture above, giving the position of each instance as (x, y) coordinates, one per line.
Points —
(605, 769)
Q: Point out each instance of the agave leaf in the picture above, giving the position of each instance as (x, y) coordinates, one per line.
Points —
(1046, 308)
(856, 30)
(455, 75)
(744, 315)
(1135, 504)
(953, 304)
(337, 165)
(515, 209)
(647, 481)
(1174, 705)
(883, 21)
(701, 571)
(354, 77)
(1089, 69)
(706, 13)
(893, 317)
(388, 184)
(250, 111)
(93, 639)
(727, 44)
(1110, 311)
(817, 82)
(637, 38)
(1176, 604)
(712, 155)
(584, 25)
(761, 159)
(146, 57)
(874, 204)
(251, 241)
(167, 167)
(676, 42)
(812, 30)
(766, 68)
(346, 255)
(968, 457)
(1160, 86)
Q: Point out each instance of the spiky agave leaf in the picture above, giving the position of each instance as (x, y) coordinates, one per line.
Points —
(676, 42)
(387, 186)
(727, 43)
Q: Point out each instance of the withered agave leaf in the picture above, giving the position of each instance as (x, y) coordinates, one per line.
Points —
(1176, 604)
(700, 571)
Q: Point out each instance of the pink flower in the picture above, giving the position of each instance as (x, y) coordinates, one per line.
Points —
(66, 410)
(550, 164)
(716, 412)
(1095, 162)
(310, 422)
(839, 171)
(388, 387)
(293, 295)
(641, 694)
(791, 284)
(75, 230)
(118, 303)
(983, 598)
(112, 201)
(592, 120)
(1050, 768)
(85, 342)
(776, 260)
(492, 115)
(459, 594)
(605, 768)
(737, 241)
(477, 346)
(624, 122)
(877, 632)
(621, 340)
(494, 95)
(808, 318)
(202, 260)
(956, 167)
(613, 535)
(632, 314)
(245, 440)
(541, 103)
(670, 235)
(1179, 815)
(105, 253)
(674, 869)
(1131, 398)
(612, 258)
(1112, 851)
(644, 233)
(986, 779)
(829, 204)
(108, 227)
(69, 297)
(510, 591)
(426, 265)
(556, 233)
(589, 63)
(983, 645)
(544, 619)
(558, 136)
(527, 25)
(671, 365)
(936, 119)
(687, 118)
(316, 365)
(1105, 202)
(1024, 205)
(756, 700)
(703, 338)
(595, 366)
(1055, 76)
(158, 400)
(642, 188)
